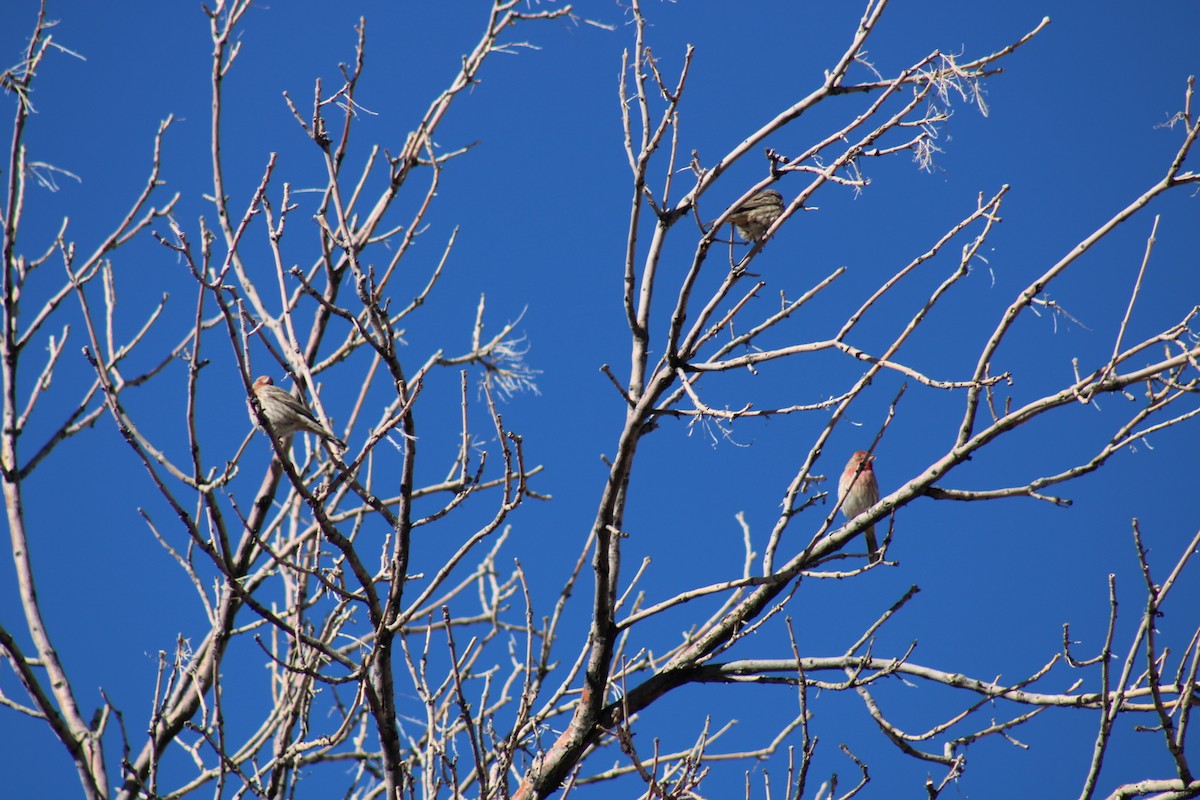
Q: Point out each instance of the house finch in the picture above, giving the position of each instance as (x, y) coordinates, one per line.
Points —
(753, 217)
(857, 494)
(287, 414)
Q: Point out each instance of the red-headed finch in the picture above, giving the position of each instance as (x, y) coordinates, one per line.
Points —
(857, 494)
(753, 217)
(286, 413)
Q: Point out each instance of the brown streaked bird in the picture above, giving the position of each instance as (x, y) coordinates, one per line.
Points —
(286, 413)
(753, 217)
(857, 494)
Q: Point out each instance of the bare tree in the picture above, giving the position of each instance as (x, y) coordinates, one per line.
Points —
(310, 564)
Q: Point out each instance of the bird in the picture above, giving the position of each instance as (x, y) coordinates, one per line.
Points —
(287, 414)
(752, 218)
(857, 491)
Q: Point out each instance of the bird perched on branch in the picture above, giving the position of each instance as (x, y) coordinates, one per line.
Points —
(287, 414)
(753, 217)
(857, 491)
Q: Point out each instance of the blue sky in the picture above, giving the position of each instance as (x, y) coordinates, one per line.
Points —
(1073, 126)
